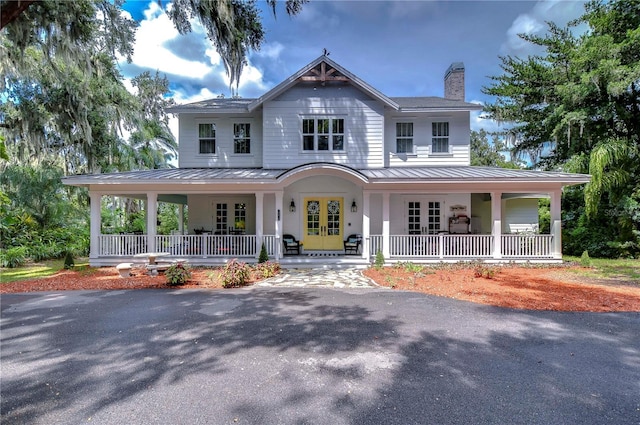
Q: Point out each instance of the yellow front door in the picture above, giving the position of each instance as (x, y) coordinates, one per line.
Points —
(323, 223)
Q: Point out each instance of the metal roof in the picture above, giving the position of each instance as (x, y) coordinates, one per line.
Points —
(459, 174)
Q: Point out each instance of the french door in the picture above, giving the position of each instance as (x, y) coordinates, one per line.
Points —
(323, 217)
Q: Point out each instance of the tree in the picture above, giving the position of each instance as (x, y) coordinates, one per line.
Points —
(489, 154)
(577, 106)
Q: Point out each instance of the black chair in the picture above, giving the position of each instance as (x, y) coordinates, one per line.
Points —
(353, 243)
(291, 244)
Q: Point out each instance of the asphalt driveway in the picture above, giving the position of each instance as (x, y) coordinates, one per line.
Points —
(310, 356)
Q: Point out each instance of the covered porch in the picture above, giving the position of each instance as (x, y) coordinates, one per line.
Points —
(423, 215)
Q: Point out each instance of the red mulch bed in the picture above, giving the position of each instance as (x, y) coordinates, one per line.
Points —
(548, 288)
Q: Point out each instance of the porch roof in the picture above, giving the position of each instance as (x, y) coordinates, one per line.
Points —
(456, 174)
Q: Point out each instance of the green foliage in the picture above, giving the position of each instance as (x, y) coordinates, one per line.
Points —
(409, 266)
(267, 269)
(585, 260)
(575, 106)
(177, 274)
(263, 257)
(234, 274)
(69, 263)
(379, 260)
(483, 270)
(489, 153)
(544, 216)
(13, 257)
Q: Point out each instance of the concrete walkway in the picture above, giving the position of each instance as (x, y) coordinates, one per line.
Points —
(326, 278)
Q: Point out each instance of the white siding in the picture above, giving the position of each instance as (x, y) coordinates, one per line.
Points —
(520, 215)
(189, 156)
(282, 126)
(202, 211)
(459, 139)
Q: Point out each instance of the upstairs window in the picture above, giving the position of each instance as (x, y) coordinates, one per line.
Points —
(323, 134)
(207, 138)
(242, 138)
(440, 137)
(404, 137)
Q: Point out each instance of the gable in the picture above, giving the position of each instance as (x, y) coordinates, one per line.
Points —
(323, 71)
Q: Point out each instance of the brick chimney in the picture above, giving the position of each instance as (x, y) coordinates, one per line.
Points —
(454, 81)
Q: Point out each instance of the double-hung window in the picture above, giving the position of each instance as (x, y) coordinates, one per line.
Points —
(207, 138)
(242, 138)
(323, 134)
(404, 137)
(440, 137)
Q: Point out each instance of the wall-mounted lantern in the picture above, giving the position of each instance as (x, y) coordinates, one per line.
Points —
(292, 206)
(354, 207)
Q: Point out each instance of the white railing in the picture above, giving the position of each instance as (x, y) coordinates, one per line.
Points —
(375, 244)
(441, 246)
(122, 245)
(180, 245)
(527, 246)
(271, 244)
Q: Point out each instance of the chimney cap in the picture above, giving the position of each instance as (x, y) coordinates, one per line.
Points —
(454, 67)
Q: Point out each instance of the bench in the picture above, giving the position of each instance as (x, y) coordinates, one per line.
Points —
(153, 269)
(124, 269)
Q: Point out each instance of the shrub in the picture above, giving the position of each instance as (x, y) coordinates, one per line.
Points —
(379, 261)
(13, 257)
(585, 260)
(483, 270)
(177, 274)
(263, 257)
(234, 274)
(68, 261)
(267, 269)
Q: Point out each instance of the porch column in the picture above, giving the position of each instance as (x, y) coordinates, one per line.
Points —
(556, 223)
(95, 200)
(386, 240)
(259, 221)
(152, 217)
(496, 226)
(279, 196)
(181, 219)
(366, 223)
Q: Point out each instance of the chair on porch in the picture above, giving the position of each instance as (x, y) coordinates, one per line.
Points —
(291, 244)
(353, 243)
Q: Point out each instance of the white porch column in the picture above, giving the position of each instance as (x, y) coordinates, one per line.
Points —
(181, 218)
(259, 221)
(278, 226)
(386, 240)
(556, 223)
(95, 225)
(152, 218)
(496, 226)
(366, 224)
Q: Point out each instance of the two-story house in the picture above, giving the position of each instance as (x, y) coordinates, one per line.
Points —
(322, 156)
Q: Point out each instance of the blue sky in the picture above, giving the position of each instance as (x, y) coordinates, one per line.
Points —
(401, 48)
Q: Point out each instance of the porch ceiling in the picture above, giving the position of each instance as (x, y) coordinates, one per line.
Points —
(397, 175)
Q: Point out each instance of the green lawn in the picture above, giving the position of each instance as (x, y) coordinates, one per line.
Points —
(612, 269)
(34, 271)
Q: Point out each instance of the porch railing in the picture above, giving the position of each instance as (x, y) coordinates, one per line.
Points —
(527, 246)
(441, 246)
(428, 246)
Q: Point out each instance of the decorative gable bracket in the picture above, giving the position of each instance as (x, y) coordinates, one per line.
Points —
(322, 73)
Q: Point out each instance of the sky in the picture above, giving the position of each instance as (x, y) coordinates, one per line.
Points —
(402, 48)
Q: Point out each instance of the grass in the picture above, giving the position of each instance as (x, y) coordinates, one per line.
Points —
(625, 269)
(35, 271)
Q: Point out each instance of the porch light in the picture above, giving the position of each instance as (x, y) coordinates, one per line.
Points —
(354, 207)
(292, 206)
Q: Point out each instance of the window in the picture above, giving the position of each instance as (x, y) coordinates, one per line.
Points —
(323, 134)
(434, 217)
(242, 138)
(414, 218)
(404, 137)
(440, 137)
(221, 219)
(240, 217)
(207, 138)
